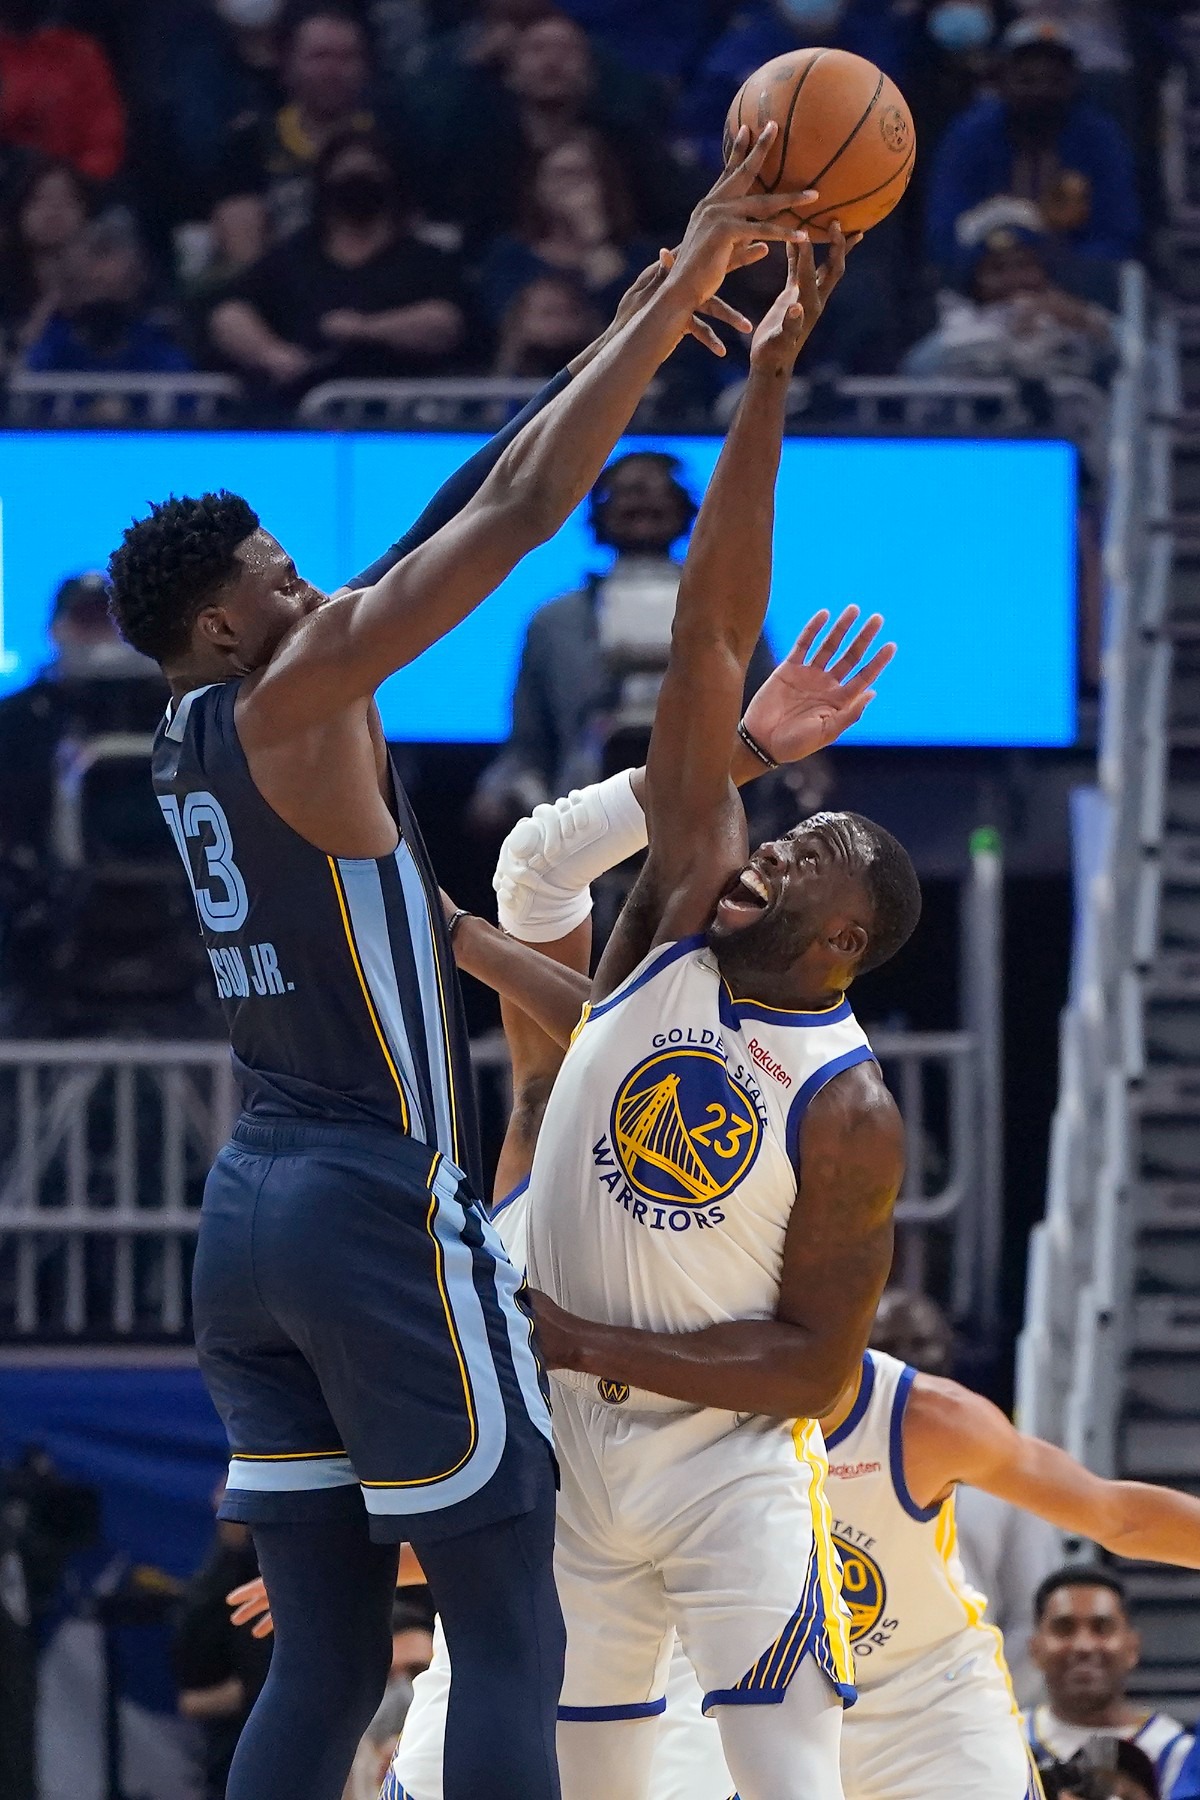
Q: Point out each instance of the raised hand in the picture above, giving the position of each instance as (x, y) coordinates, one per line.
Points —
(788, 325)
(815, 694)
(732, 218)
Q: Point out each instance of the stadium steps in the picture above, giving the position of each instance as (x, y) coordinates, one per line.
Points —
(1159, 1435)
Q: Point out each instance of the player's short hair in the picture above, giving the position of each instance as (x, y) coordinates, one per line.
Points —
(894, 892)
(1077, 1575)
(172, 563)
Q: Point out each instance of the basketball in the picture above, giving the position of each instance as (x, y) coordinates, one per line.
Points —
(844, 129)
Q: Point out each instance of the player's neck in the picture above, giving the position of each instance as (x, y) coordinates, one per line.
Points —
(791, 994)
(196, 671)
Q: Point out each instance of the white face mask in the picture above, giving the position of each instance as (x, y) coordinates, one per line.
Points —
(249, 15)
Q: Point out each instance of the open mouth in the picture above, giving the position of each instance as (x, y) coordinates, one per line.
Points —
(746, 897)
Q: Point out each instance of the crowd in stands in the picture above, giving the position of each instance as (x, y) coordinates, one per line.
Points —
(300, 191)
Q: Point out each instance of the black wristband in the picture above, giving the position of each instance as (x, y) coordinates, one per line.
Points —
(755, 748)
(455, 920)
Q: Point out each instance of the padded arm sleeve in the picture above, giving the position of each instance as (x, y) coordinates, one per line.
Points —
(549, 860)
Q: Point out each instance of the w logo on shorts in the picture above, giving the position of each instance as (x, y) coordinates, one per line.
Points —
(615, 1392)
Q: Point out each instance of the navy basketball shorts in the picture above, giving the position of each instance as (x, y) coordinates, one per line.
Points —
(362, 1335)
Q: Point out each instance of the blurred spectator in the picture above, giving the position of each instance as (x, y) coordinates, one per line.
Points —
(1086, 1649)
(576, 219)
(203, 65)
(1006, 1553)
(105, 319)
(47, 211)
(354, 296)
(949, 66)
(664, 39)
(593, 660)
(1097, 33)
(264, 185)
(880, 30)
(548, 322)
(412, 1652)
(1013, 319)
(58, 94)
(1039, 141)
(517, 81)
(219, 1670)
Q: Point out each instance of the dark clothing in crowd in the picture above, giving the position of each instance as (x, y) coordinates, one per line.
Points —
(208, 1650)
(272, 156)
(296, 284)
(977, 159)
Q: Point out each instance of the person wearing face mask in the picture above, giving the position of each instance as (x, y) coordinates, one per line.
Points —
(881, 30)
(263, 189)
(353, 296)
(58, 93)
(1037, 140)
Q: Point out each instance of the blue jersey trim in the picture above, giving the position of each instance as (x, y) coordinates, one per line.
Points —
(1160, 1761)
(812, 1087)
(600, 1715)
(782, 1015)
(669, 953)
(503, 1205)
(854, 1418)
(922, 1514)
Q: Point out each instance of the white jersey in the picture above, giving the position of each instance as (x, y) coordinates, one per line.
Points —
(665, 1172)
(901, 1574)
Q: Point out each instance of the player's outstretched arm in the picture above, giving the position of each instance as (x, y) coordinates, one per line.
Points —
(345, 649)
(549, 991)
(697, 827)
(952, 1435)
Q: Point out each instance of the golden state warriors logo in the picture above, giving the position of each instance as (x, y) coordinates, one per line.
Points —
(862, 1588)
(683, 1130)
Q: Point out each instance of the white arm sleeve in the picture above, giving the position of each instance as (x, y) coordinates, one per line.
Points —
(549, 861)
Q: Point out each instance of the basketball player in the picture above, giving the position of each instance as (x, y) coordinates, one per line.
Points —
(710, 1207)
(357, 1325)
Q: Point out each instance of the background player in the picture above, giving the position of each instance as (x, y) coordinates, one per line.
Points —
(357, 1331)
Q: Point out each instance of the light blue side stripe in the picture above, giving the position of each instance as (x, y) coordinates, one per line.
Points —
(449, 1222)
(295, 1476)
(178, 720)
(508, 1280)
(368, 916)
(420, 934)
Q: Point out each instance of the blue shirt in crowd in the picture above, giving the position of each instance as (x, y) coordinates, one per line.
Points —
(975, 161)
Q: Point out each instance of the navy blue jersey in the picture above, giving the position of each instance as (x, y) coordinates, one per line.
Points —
(336, 974)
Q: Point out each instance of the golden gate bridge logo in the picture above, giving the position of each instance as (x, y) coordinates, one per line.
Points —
(683, 1130)
(863, 1588)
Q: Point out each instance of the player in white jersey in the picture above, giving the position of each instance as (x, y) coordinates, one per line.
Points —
(711, 1203)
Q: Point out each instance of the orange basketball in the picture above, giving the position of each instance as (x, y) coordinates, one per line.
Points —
(844, 129)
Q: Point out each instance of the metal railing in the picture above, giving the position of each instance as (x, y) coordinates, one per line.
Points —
(107, 1145)
(1070, 1354)
(110, 399)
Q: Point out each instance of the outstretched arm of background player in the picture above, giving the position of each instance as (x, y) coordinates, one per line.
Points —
(952, 1435)
(836, 1258)
(696, 823)
(344, 650)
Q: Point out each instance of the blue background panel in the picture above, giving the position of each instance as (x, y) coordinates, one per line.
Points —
(968, 548)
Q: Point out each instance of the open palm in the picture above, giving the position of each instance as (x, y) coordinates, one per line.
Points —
(820, 689)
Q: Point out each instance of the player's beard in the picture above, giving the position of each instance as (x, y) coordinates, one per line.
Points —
(767, 946)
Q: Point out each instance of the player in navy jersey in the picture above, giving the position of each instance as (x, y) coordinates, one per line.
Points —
(357, 1323)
